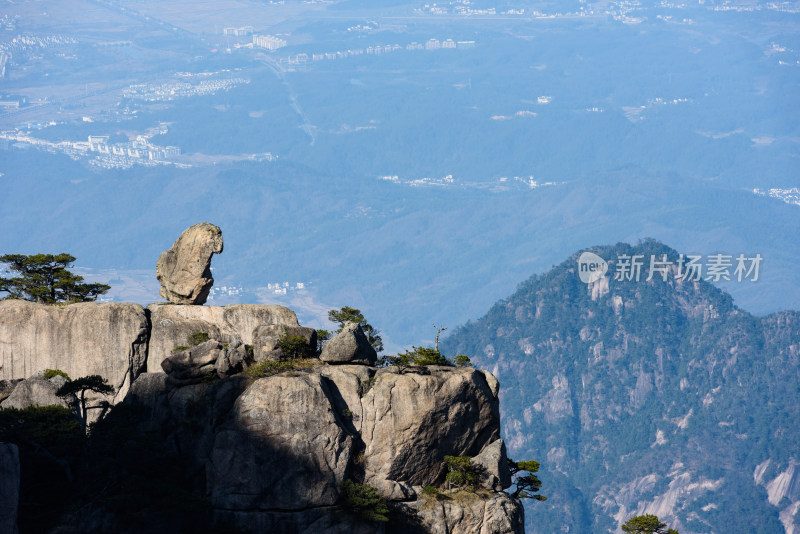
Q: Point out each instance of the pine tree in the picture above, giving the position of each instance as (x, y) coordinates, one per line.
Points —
(44, 278)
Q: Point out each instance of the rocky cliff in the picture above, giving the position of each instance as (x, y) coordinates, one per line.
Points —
(274, 451)
(260, 453)
(117, 341)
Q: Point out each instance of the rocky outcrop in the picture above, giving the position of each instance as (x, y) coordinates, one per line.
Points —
(36, 391)
(349, 346)
(9, 487)
(171, 325)
(271, 453)
(493, 465)
(106, 339)
(7, 386)
(192, 365)
(234, 359)
(266, 338)
(184, 270)
(415, 419)
(467, 513)
(205, 362)
(274, 451)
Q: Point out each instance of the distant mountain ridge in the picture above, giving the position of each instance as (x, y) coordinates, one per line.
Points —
(651, 396)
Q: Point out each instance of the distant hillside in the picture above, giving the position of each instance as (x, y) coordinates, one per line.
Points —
(659, 397)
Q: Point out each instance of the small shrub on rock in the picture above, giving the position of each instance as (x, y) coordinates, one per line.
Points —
(462, 360)
(198, 338)
(50, 373)
(293, 346)
(364, 501)
(267, 368)
(431, 491)
(418, 356)
(366, 385)
(461, 473)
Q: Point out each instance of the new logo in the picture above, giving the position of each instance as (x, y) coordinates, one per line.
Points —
(591, 267)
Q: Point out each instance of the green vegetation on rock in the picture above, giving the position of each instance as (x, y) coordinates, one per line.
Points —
(294, 347)
(364, 501)
(267, 368)
(198, 338)
(50, 373)
(461, 472)
(418, 356)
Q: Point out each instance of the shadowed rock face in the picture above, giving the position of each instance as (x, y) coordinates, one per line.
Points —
(274, 451)
(106, 339)
(283, 448)
(9, 487)
(413, 420)
(184, 270)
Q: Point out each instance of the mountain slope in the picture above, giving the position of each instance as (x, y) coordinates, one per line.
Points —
(659, 397)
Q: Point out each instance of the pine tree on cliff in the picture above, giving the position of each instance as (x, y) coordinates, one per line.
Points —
(80, 386)
(45, 278)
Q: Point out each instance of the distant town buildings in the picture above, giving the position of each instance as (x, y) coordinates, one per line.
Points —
(101, 152)
(244, 31)
(270, 42)
(174, 89)
(140, 148)
(448, 181)
(377, 50)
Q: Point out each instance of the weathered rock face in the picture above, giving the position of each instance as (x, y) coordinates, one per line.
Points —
(7, 386)
(234, 359)
(415, 419)
(106, 339)
(470, 514)
(9, 487)
(184, 270)
(205, 362)
(192, 365)
(265, 340)
(349, 346)
(35, 391)
(173, 324)
(493, 462)
(274, 451)
(284, 447)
